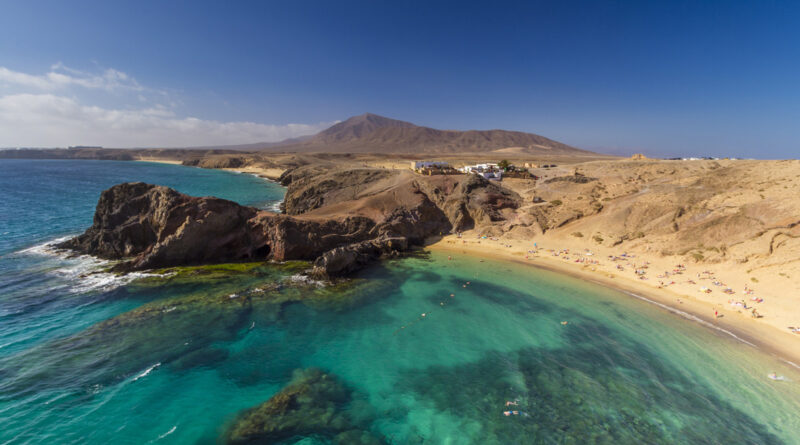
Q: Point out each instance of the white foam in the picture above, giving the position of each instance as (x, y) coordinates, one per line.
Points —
(47, 248)
(171, 430)
(84, 272)
(689, 316)
(305, 279)
(147, 371)
(275, 207)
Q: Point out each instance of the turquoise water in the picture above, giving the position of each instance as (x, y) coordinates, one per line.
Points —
(88, 359)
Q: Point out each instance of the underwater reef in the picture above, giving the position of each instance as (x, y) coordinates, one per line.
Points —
(313, 404)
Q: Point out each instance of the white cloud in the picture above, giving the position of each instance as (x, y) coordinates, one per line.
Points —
(50, 110)
(60, 77)
(48, 120)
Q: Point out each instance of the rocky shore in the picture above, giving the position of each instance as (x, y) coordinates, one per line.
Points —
(341, 220)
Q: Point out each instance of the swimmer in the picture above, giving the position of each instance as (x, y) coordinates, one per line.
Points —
(775, 376)
(506, 413)
(564, 323)
(452, 295)
(510, 403)
(424, 314)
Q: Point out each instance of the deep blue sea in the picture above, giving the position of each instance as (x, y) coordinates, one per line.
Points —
(427, 350)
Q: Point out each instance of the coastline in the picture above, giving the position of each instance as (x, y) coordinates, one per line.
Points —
(271, 174)
(159, 160)
(761, 336)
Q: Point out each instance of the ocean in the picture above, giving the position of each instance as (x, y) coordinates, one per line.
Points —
(423, 349)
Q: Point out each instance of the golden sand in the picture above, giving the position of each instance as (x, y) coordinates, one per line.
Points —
(769, 332)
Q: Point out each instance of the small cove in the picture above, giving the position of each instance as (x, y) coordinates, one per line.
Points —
(175, 360)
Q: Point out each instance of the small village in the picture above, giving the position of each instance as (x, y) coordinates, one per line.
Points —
(490, 171)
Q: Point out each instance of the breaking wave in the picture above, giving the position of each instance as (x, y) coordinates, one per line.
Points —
(85, 273)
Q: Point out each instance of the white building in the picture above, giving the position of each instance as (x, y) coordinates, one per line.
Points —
(479, 168)
(430, 164)
(488, 171)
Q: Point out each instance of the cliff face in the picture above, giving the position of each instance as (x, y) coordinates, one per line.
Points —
(153, 226)
(342, 220)
(156, 226)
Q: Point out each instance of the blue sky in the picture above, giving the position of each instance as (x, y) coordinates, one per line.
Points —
(664, 78)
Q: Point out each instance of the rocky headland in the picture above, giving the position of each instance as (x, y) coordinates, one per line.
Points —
(341, 220)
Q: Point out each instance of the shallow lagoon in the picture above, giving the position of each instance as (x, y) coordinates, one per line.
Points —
(175, 359)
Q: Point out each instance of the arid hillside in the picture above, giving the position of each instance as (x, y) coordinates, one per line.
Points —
(370, 133)
(709, 212)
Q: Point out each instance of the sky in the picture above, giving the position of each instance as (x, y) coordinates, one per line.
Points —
(672, 78)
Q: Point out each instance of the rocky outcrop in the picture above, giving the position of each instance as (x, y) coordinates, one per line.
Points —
(347, 259)
(153, 226)
(313, 404)
(472, 201)
(311, 189)
(220, 161)
(150, 226)
(156, 226)
(341, 220)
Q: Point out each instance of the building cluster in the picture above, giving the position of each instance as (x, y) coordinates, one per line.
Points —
(490, 171)
(433, 168)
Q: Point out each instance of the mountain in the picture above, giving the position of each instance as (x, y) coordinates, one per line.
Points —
(370, 133)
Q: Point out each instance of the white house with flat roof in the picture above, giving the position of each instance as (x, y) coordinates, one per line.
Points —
(488, 171)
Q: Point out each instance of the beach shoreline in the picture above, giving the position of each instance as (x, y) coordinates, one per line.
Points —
(764, 337)
(271, 174)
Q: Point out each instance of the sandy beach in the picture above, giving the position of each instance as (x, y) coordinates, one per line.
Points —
(159, 160)
(269, 173)
(721, 295)
(678, 293)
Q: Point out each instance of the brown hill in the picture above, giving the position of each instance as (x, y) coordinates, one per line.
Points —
(370, 133)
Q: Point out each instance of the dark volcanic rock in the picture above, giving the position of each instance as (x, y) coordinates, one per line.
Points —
(313, 404)
(153, 226)
(161, 227)
(347, 259)
(311, 188)
(344, 220)
(471, 201)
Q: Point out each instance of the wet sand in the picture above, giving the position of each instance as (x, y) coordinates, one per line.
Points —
(761, 333)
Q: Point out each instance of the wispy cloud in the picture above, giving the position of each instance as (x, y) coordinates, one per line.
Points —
(49, 120)
(50, 109)
(61, 77)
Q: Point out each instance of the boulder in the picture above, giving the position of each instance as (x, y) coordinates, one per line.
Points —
(347, 259)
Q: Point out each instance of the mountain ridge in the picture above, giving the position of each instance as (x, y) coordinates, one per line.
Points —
(372, 133)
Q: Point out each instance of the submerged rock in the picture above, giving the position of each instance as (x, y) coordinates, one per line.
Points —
(314, 403)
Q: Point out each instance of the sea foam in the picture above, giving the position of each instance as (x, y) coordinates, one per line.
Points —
(83, 272)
